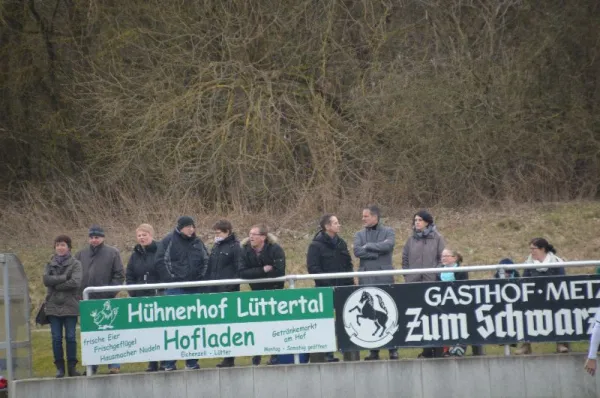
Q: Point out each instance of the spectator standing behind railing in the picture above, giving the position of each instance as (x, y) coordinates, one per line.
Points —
(374, 246)
(590, 363)
(542, 252)
(450, 259)
(423, 249)
(102, 266)
(508, 274)
(62, 277)
(141, 268)
(181, 257)
(224, 263)
(328, 253)
(262, 257)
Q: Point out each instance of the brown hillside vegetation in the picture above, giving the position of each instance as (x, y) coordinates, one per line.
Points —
(259, 105)
(483, 236)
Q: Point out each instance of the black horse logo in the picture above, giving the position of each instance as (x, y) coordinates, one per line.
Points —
(368, 311)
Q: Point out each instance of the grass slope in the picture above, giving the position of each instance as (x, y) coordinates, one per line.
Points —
(484, 236)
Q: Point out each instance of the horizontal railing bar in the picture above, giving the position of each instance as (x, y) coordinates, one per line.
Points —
(437, 270)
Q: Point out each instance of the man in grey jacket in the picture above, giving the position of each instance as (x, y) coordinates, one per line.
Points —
(374, 246)
(102, 266)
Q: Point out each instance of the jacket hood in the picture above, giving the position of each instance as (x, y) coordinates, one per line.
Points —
(270, 239)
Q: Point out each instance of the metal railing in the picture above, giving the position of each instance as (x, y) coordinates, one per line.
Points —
(501, 268)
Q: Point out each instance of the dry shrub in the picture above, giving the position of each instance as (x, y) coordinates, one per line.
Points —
(256, 106)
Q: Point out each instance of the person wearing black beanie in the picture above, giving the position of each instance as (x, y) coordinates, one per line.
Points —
(425, 216)
(509, 273)
(181, 257)
(185, 221)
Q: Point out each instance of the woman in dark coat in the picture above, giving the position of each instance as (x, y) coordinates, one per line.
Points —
(141, 268)
(423, 249)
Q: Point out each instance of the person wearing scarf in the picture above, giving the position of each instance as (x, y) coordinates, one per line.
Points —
(62, 278)
(450, 259)
(542, 252)
(423, 249)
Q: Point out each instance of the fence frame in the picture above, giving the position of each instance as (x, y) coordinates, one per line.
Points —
(291, 279)
(9, 344)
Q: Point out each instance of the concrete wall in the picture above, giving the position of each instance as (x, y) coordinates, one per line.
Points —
(477, 377)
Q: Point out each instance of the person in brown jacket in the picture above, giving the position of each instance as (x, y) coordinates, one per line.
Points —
(423, 249)
(62, 277)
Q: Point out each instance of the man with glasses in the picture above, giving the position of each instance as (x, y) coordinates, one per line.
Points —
(262, 258)
(102, 266)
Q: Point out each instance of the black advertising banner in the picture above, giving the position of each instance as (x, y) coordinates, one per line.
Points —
(496, 311)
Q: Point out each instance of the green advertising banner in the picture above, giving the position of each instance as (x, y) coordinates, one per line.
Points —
(189, 326)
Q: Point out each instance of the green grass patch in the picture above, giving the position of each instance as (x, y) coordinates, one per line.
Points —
(43, 365)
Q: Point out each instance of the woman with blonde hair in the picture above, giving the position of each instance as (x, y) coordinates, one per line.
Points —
(452, 259)
(141, 269)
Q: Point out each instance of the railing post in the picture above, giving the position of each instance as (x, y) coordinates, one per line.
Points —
(293, 286)
(502, 275)
(7, 324)
(88, 369)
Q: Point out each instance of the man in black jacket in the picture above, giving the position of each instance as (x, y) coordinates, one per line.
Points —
(262, 258)
(328, 253)
(182, 257)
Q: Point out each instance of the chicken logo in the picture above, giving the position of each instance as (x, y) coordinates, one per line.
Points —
(105, 317)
